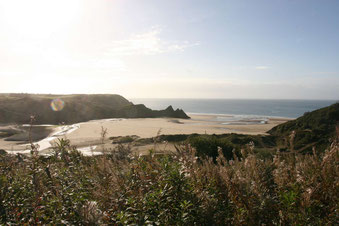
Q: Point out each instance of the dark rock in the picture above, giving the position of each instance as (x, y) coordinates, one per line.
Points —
(141, 111)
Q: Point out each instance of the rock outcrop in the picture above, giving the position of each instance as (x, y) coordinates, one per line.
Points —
(141, 111)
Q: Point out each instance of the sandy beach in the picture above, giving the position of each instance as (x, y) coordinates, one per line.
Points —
(201, 124)
(88, 134)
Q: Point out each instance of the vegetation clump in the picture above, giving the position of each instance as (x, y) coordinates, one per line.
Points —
(123, 139)
(186, 188)
(315, 128)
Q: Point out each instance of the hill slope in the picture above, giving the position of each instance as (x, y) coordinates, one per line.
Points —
(315, 127)
(17, 108)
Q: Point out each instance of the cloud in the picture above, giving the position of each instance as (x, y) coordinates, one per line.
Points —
(261, 67)
(148, 43)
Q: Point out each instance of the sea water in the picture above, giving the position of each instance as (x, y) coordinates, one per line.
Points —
(241, 108)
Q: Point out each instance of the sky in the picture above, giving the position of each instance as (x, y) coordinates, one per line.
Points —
(265, 49)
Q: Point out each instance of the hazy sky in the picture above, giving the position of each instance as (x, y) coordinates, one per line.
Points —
(285, 49)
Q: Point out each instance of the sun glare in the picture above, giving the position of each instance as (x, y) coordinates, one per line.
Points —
(39, 18)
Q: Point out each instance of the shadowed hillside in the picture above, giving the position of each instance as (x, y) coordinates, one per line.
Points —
(315, 128)
(17, 108)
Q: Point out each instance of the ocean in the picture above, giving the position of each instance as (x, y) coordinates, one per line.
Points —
(238, 107)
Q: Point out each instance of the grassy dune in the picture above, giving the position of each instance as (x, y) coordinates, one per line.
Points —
(315, 128)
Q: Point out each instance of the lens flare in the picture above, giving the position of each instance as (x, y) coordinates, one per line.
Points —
(57, 104)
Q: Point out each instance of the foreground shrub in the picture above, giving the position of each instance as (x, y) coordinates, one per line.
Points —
(186, 188)
(208, 146)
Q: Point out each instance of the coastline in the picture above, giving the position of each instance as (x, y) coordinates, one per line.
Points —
(86, 135)
(239, 115)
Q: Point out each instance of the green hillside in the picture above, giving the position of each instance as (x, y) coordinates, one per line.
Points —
(17, 108)
(315, 128)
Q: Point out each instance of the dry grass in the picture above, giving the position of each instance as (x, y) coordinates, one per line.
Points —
(178, 189)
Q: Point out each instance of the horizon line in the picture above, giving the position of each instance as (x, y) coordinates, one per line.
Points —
(178, 98)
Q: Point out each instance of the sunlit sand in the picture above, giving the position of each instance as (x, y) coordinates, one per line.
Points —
(87, 135)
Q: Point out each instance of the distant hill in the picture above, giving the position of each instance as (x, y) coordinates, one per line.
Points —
(17, 108)
(315, 128)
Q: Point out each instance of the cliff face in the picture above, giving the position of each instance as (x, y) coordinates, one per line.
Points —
(17, 108)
